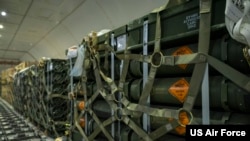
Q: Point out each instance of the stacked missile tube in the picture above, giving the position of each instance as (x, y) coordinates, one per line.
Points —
(95, 104)
(106, 114)
(228, 101)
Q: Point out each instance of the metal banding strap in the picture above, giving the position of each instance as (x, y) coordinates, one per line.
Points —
(71, 100)
(110, 80)
(203, 47)
(124, 71)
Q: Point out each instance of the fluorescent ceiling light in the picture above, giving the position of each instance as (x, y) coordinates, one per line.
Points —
(3, 13)
(1, 26)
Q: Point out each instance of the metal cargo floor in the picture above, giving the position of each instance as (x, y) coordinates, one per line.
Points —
(14, 127)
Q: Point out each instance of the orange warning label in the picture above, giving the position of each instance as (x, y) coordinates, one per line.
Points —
(181, 51)
(179, 89)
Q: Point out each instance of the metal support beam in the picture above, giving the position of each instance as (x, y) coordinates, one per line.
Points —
(146, 118)
(113, 78)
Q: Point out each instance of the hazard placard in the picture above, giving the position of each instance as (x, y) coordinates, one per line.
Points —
(179, 89)
(181, 51)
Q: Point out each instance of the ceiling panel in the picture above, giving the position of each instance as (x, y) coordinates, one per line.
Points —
(44, 49)
(51, 26)
(88, 17)
(36, 26)
(53, 10)
(29, 37)
(13, 54)
(1, 53)
(4, 44)
(61, 39)
(126, 10)
(9, 28)
(33, 30)
(15, 6)
(51, 50)
(11, 18)
(21, 46)
(28, 57)
(5, 40)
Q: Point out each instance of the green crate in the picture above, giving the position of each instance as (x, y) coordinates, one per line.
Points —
(177, 23)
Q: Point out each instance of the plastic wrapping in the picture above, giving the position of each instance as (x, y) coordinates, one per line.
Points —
(78, 67)
(72, 52)
(238, 20)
